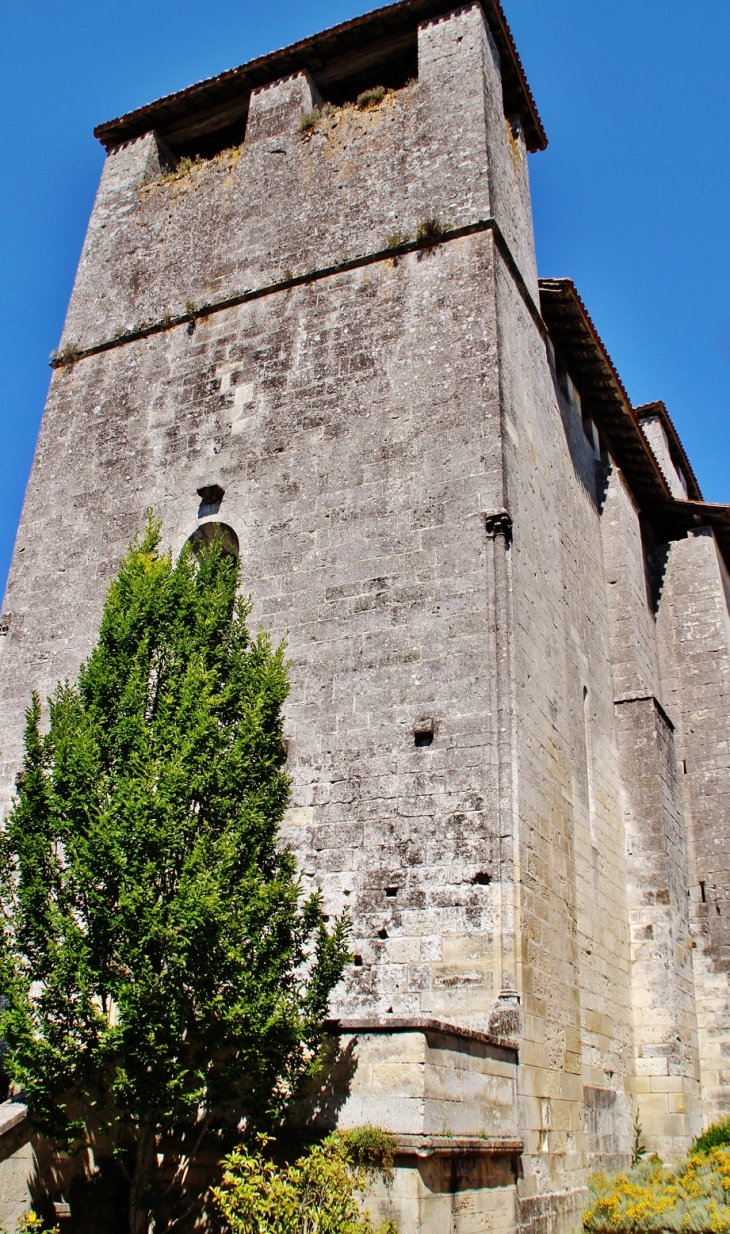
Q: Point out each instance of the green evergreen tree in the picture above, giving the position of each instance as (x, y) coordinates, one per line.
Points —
(165, 980)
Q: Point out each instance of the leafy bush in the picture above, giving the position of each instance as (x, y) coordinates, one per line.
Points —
(371, 98)
(638, 1151)
(715, 1137)
(370, 1149)
(694, 1197)
(320, 1192)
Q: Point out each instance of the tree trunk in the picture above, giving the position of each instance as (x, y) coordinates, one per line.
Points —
(146, 1164)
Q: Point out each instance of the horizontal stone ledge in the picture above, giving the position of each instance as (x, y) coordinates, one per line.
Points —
(457, 1145)
(621, 699)
(12, 1113)
(70, 354)
(503, 1048)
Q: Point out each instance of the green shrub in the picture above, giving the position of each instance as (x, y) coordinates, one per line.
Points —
(692, 1198)
(370, 1149)
(715, 1137)
(371, 98)
(31, 1222)
(320, 1192)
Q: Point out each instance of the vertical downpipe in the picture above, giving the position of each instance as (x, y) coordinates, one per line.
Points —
(505, 1018)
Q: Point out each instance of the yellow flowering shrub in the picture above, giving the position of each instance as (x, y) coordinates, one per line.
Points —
(321, 1193)
(693, 1196)
(32, 1223)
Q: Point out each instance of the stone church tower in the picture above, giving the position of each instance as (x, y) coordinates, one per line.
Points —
(505, 599)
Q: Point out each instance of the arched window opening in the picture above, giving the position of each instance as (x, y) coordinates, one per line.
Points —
(215, 533)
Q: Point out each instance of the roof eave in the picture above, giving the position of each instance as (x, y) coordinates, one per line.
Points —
(658, 408)
(599, 384)
(258, 72)
(671, 517)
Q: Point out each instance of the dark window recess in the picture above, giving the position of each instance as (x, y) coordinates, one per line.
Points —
(717, 910)
(391, 891)
(357, 961)
(482, 879)
(382, 933)
(215, 533)
(390, 61)
(211, 496)
(423, 739)
(423, 731)
(223, 134)
(702, 893)
(591, 432)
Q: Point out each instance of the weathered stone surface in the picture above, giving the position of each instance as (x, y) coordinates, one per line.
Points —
(509, 725)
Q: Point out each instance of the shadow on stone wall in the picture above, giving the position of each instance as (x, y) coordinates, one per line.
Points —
(98, 1198)
(329, 1090)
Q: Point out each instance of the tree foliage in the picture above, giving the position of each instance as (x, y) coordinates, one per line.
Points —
(164, 977)
(320, 1193)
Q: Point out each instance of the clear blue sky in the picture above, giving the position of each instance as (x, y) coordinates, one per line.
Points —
(631, 199)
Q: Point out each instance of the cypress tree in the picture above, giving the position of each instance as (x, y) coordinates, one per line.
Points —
(165, 980)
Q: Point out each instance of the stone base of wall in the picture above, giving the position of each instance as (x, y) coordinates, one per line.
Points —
(559, 1212)
(17, 1163)
(454, 1194)
(447, 1095)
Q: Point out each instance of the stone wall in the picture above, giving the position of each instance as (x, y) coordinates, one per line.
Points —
(420, 513)
(573, 945)
(657, 873)
(17, 1163)
(694, 630)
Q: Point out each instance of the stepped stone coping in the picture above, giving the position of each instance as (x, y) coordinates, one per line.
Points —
(12, 1113)
(457, 1145)
(503, 1048)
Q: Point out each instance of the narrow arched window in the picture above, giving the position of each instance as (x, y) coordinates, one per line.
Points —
(215, 533)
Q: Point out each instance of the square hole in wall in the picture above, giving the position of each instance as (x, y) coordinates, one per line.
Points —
(423, 732)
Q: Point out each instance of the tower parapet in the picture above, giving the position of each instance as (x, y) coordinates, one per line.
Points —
(167, 232)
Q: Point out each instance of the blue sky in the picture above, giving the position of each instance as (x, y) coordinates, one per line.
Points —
(631, 199)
